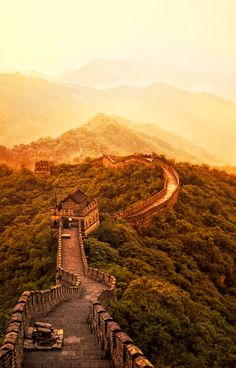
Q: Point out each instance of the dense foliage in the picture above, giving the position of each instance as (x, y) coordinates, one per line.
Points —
(176, 278)
(115, 189)
(27, 253)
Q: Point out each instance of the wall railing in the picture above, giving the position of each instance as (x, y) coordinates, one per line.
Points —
(34, 304)
(119, 348)
(149, 207)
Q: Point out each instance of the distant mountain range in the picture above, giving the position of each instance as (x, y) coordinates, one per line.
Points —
(35, 74)
(104, 134)
(33, 108)
(103, 73)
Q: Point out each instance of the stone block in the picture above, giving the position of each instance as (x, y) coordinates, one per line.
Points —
(43, 325)
(10, 338)
(19, 307)
(142, 362)
(13, 327)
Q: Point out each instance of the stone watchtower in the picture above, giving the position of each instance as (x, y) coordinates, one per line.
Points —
(44, 167)
(76, 207)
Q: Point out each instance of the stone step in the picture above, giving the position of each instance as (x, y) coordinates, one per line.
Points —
(80, 348)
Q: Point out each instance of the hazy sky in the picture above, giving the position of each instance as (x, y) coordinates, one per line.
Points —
(54, 35)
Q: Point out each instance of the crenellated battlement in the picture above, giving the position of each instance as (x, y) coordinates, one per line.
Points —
(119, 348)
(161, 201)
(32, 305)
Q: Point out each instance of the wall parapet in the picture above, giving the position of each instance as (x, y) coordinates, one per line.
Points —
(30, 305)
(34, 304)
(118, 346)
(147, 208)
(94, 273)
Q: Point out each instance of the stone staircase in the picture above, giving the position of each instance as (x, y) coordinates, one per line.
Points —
(80, 349)
(77, 302)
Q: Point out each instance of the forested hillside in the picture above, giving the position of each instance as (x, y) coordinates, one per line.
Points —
(27, 254)
(176, 278)
(33, 108)
(177, 295)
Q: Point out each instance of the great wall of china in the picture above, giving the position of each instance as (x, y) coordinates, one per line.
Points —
(78, 301)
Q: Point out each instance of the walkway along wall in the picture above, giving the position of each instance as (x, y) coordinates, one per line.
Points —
(161, 201)
(34, 304)
(119, 347)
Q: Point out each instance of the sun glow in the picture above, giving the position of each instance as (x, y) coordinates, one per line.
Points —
(58, 34)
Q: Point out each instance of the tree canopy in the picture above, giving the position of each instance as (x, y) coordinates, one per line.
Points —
(176, 278)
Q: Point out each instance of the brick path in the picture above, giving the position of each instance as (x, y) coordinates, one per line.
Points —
(80, 349)
(171, 187)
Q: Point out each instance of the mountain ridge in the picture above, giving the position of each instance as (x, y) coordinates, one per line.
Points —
(103, 134)
(34, 108)
(105, 73)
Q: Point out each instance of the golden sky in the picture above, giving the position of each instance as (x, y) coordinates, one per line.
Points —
(54, 35)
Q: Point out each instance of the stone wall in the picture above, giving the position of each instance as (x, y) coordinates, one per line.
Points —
(31, 305)
(44, 167)
(119, 347)
(34, 304)
(142, 213)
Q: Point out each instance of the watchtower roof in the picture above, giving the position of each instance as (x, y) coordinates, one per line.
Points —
(77, 196)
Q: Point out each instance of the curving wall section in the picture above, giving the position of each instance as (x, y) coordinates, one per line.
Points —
(160, 201)
(118, 346)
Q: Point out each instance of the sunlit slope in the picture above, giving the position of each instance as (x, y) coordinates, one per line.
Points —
(33, 108)
(206, 120)
(101, 135)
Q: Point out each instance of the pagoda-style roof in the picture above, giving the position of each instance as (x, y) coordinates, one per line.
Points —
(77, 196)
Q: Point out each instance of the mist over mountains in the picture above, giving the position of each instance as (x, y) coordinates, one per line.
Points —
(34, 108)
(104, 135)
(103, 73)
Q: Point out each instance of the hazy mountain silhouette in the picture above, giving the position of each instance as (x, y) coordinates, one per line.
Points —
(104, 134)
(102, 73)
(33, 108)
(35, 74)
(206, 120)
